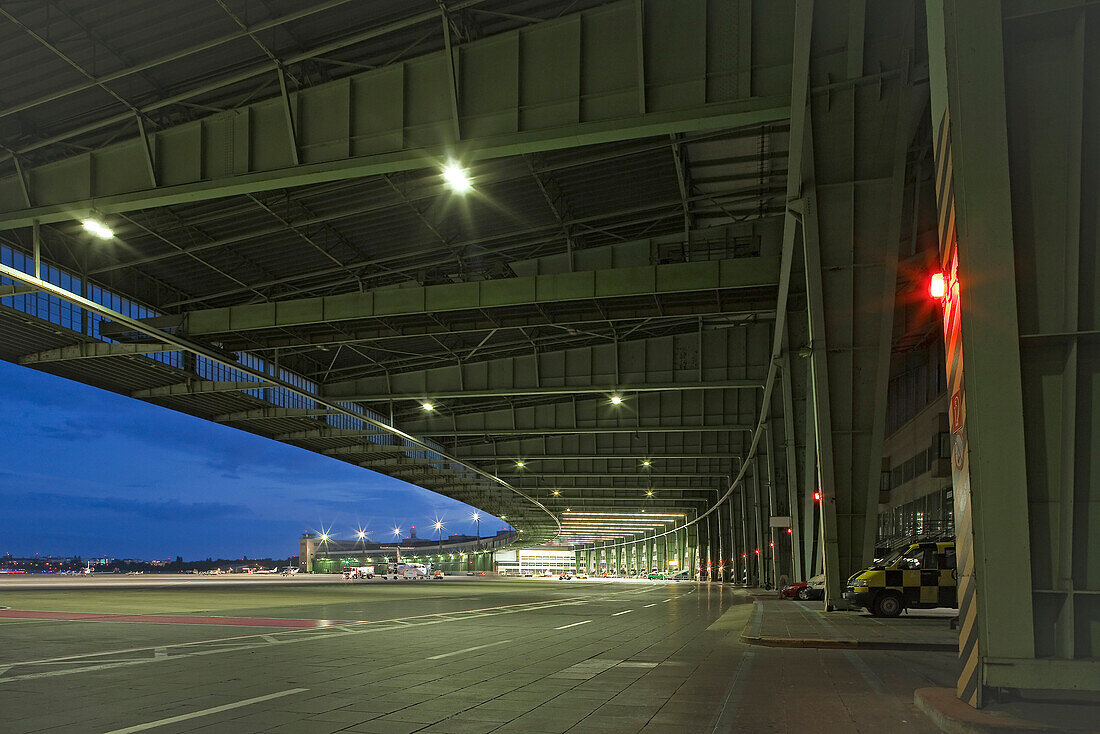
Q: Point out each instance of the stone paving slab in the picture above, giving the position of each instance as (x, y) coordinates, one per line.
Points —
(789, 623)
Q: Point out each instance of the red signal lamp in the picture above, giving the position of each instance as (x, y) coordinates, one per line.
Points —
(789, 531)
(744, 555)
(771, 544)
(817, 496)
(937, 286)
(757, 551)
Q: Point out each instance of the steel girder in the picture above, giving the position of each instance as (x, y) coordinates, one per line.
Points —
(853, 186)
(609, 73)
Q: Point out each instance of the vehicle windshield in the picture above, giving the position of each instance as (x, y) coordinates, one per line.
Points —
(894, 557)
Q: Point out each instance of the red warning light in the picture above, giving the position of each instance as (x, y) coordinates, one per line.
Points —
(937, 286)
(757, 551)
(817, 496)
(771, 544)
(789, 531)
(744, 555)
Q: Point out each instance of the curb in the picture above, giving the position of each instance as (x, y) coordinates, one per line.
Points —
(955, 717)
(835, 644)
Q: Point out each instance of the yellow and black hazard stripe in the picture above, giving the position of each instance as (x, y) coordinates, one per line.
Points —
(969, 687)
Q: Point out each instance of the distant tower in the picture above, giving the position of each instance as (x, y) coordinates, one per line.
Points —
(412, 532)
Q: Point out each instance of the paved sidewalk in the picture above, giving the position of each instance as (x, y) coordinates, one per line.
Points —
(788, 623)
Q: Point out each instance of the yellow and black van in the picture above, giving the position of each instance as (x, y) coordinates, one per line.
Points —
(918, 576)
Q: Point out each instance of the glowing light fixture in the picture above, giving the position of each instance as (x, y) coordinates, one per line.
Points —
(520, 464)
(324, 537)
(556, 493)
(647, 462)
(361, 534)
(98, 228)
(475, 517)
(457, 178)
(937, 286)
(438, 525)
(427, 406)
(649, 493)
(616, 399)
(396, 532)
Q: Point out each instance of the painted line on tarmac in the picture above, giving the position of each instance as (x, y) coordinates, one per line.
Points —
(206, 712)
(468, 649)
(651, 605)
(625, 611)
(251, 642)
(575, 624)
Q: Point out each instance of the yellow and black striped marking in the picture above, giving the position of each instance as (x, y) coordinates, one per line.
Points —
(969, 687)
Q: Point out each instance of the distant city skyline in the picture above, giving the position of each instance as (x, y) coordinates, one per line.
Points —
(86, 472)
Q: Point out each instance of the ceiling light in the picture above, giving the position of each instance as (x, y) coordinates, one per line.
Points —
(457, 178)
(97, 228)
(520, 465)
(616, 399)
(556, 493)
(647, 462)
(427, 406)
(649, 493)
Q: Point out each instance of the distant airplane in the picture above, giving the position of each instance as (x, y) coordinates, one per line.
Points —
(403, 570)
(268, 570)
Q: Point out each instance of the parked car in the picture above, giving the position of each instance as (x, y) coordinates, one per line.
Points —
(437, 574)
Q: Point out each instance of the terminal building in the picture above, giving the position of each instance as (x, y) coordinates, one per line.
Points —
(661, 284)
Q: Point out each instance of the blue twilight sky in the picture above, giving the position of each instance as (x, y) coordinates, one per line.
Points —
(87, 472)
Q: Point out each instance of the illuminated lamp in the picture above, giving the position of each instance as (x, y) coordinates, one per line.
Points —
(937, 286)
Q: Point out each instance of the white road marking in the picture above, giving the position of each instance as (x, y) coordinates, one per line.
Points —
(625, 611)
(666, 601)
(160, 652)
(651, 605)
(468, 649)
(206, 712)
(247, 642)
(567, 626)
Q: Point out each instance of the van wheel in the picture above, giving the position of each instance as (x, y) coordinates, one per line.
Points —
(887, 604)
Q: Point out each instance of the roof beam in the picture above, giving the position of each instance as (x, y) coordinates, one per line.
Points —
(200, 387)
(192, 165)
(517, 392)
(746, 272)
(534, 431)
(94, 350)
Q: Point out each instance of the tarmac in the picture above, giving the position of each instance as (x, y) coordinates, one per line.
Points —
(320, 655)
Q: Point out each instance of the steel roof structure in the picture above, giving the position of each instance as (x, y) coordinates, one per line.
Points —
(589, 260)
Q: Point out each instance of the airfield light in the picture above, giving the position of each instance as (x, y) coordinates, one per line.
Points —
(616, 399)
(457, 178)
(937, 286)
(98, 228)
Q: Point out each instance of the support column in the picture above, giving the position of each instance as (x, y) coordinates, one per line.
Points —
(1014, 121)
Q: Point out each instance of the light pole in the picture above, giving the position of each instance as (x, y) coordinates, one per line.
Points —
(476, 517)
(439, 529)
